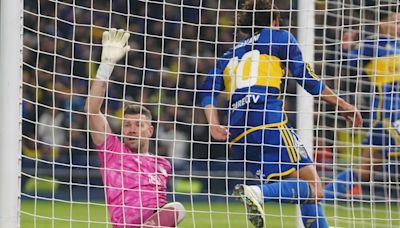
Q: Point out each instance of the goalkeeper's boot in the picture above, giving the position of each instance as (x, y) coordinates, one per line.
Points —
(170, 215)
(254, 209)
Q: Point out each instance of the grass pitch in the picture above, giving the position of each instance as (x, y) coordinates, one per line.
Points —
(43, 214)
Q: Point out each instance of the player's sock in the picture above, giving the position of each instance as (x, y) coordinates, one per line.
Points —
(313, 216)
(344, 183)
(291, 190)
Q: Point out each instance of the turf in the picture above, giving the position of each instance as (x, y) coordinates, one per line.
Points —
(41, 214)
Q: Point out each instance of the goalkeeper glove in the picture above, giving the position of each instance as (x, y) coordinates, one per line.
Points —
(115, 46)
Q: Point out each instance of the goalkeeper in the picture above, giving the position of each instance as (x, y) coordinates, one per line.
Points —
(251, 73)
(135, 180)
(379, 58)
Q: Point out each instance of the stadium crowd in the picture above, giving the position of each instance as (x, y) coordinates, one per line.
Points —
(173, 47)
(61, 44)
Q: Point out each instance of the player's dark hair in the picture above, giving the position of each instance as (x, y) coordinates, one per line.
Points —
(137, 109)
(256, 14)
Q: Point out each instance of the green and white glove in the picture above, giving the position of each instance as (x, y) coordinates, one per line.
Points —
(115, 46)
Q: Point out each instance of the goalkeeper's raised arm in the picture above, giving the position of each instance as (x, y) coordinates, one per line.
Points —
(115, 46)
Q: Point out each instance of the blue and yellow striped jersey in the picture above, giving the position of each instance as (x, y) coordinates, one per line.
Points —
(253, 72)
(379, 59)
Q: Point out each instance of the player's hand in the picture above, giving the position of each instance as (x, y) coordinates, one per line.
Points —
(219, 132)
(115, 46)
(351, 114)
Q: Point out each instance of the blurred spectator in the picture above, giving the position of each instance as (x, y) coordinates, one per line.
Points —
(50, 127)
(173, 140)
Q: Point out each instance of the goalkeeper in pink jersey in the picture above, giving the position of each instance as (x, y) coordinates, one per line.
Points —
(135, 180)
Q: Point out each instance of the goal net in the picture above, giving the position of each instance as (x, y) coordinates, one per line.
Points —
(174, 44)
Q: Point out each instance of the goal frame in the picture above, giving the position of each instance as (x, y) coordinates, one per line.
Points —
(10, 114)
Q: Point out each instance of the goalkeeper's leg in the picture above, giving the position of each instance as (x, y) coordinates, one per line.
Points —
(170, 215)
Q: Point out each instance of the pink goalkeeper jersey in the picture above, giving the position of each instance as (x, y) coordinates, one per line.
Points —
(136, 184)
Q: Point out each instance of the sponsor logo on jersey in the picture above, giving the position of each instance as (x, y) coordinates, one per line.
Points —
(246, 100)
(154, 179)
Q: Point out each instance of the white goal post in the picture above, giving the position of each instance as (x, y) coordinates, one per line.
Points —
(304, 101)
(10, 115)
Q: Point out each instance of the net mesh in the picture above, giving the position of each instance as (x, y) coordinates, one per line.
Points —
(174, 43)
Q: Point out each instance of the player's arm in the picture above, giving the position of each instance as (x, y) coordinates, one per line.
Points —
(217, 131)
(98, 124)
(210, 89)
(348, 111)
(114, 48)
(314, 85)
